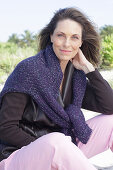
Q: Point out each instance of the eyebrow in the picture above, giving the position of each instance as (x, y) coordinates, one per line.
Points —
(64, 33)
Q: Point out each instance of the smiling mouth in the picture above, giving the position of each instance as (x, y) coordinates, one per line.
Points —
(65, 51)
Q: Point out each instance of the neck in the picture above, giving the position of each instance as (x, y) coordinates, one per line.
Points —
(63, 64)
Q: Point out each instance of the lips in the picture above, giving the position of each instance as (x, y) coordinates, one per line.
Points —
(65, 51)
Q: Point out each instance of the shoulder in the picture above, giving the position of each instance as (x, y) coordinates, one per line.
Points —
(31, 63)
(28, 61)
(27, 65)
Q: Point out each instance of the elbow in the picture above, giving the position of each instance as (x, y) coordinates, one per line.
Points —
(108, 111)
(2, 132)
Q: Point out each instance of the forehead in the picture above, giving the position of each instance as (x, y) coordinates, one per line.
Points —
(68, 26)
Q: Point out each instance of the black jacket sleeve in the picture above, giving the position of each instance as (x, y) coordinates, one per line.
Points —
(99, 95)
(13, 105)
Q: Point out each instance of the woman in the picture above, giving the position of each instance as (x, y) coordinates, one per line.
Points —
(40, 116)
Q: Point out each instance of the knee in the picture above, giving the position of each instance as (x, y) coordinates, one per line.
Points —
(107, 121)
(55, 139)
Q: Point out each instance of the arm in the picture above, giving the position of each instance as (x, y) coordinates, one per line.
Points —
(13, 105)
(99, 95)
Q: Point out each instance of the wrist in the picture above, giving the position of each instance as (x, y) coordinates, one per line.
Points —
(88, 68)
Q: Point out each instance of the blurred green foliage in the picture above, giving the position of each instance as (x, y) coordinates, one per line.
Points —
(107, 51)
(27, 39)
(11, 55)
(106, 30)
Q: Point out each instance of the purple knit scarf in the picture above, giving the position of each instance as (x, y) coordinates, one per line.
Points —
(40, 76)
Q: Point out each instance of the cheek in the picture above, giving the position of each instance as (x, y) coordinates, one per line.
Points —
(76, 46)
(57, 42)
(75, 49)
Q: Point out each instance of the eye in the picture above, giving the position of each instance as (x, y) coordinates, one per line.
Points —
(59, 35)
(75, 37)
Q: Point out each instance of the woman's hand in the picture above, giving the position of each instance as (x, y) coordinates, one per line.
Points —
(81, 63)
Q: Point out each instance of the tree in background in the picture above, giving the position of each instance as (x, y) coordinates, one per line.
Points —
(106, 30)
(14, 39)
(27, 39)
(107, 50)
(106, 33)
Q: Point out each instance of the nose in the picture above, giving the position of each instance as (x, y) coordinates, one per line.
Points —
(66, 42)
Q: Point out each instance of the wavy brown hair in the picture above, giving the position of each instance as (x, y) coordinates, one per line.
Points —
(90, 37)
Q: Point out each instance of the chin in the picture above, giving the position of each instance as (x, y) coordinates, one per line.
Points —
(65, 58)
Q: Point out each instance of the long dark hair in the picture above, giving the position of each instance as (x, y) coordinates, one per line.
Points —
(90, 37)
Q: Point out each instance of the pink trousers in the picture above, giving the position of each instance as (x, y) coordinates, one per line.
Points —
(55, 151)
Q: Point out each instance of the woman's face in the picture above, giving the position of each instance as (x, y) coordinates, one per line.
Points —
(66, 39)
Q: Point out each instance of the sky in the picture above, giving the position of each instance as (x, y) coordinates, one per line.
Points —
(16, 16)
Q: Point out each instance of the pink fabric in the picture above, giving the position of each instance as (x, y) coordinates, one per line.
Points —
(55, 151)
(101, 138)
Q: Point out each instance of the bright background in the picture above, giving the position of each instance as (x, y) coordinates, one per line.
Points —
(19, 15)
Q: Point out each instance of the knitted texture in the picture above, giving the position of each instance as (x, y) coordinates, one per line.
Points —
(40, 76)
